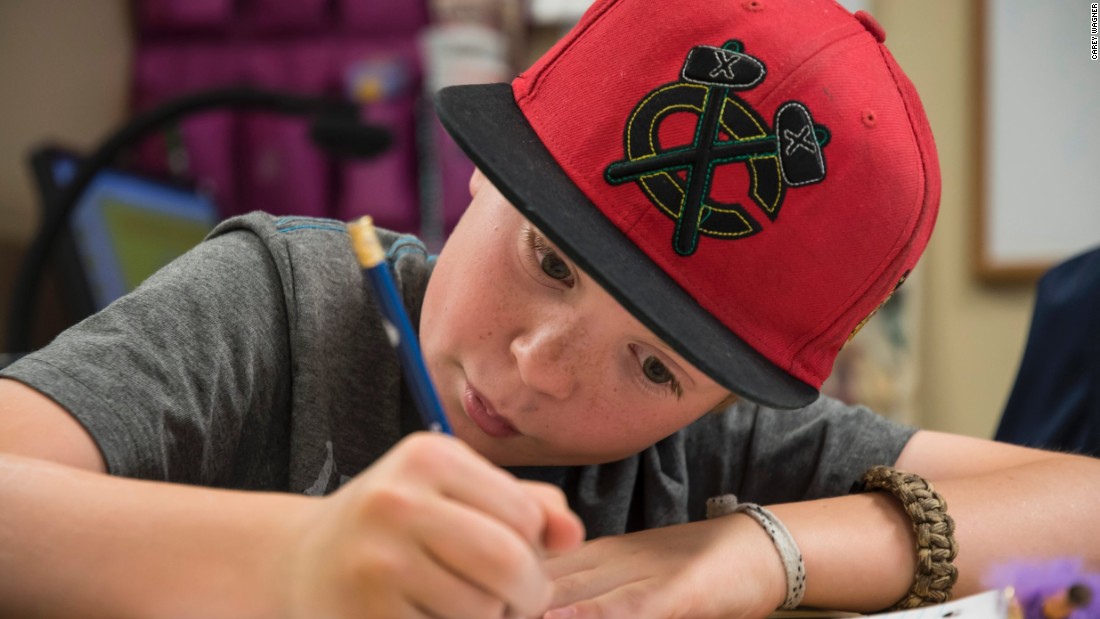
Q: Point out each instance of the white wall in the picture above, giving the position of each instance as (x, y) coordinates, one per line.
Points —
(971, 335)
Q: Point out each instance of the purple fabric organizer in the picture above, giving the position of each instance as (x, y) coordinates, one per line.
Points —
(257, 161)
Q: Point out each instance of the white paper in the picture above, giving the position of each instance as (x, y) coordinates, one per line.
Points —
(989, 605)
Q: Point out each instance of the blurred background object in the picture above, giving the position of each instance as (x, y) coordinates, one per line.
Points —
(1055, 401)
(943, 353)
(121, 231)
(125, 227)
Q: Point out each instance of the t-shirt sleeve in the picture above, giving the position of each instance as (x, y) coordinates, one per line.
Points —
(170, 379)
(777, 456)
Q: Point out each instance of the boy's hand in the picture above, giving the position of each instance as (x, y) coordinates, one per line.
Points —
(726, 567)
(431, 530)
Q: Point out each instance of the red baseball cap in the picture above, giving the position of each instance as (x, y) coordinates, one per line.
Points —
(751, 179)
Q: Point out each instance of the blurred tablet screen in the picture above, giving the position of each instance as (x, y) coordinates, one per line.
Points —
(124, 228)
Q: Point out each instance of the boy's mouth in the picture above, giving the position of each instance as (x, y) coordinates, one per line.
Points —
(481, 411)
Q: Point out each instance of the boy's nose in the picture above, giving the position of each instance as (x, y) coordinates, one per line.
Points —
(549, 357)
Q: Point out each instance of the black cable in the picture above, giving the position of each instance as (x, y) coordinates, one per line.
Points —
(27, 282)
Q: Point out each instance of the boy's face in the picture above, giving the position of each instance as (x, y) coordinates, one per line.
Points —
(534, 362)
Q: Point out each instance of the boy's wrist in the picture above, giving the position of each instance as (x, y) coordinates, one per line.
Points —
(857, 550)
(781, 561)
(753, 547)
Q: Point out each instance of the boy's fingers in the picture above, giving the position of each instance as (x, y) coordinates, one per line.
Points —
(564, 530)
(568, 563)
(439, 592)
(627, 602)
(488, 555)
(574, 588)
(492, 529)
(589, 583)
(458, 472)
(589, 574)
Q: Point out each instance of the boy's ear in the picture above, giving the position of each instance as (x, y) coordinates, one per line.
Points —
(477, 179)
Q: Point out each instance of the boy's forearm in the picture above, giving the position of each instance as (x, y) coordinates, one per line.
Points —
(860, 550)
(75, 543)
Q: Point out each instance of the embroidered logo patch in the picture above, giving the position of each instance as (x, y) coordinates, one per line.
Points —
(679, 178)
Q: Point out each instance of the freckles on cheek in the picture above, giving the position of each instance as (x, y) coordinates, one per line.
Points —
(605, 409)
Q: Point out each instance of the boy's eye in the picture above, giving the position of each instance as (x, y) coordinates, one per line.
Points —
(658, 378)
(554, 266)
(656, 371)
(546, 259)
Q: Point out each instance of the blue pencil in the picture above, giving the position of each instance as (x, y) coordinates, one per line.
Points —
(396, 321)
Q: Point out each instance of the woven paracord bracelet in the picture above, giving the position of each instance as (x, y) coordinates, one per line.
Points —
(935, 532)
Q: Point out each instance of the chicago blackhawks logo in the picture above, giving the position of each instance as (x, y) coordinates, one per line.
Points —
(678, 178)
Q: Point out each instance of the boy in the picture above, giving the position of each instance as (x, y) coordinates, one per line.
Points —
(680, 202)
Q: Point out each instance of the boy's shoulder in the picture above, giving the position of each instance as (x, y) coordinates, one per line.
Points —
(306, 236)
(317, 268)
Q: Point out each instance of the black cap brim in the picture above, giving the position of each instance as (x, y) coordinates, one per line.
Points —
(486, 122)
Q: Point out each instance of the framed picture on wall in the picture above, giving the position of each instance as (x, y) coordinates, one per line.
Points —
(1039, 137)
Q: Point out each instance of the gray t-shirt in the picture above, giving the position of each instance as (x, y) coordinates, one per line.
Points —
(257, 361)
